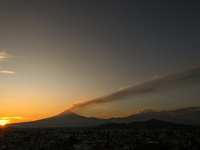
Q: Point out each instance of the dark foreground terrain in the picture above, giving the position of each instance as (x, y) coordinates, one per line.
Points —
(109, 136)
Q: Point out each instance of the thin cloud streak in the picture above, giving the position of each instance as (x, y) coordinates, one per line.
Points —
(192, 113)
(12, 118)
(156, 84)
(3, 56)
(8, 72)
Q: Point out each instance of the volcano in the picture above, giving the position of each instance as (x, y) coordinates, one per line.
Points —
(64, 119)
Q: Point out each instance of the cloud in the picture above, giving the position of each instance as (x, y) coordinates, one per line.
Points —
(187, 110)
(175, 80)
(11, 118)
(122, 88)
(146, 110)
(187, 113)
(3, 56)
(9, 72)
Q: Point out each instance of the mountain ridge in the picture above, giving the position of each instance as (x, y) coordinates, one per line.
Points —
(68, 118)
(149, 124)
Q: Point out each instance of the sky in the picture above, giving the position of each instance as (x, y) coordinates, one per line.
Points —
(55, 54)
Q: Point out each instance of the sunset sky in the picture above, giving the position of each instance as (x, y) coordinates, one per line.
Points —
(54, 53)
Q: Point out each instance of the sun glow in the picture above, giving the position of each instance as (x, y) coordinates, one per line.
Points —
(3, 122)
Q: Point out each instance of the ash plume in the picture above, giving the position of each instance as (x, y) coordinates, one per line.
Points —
(175, 80)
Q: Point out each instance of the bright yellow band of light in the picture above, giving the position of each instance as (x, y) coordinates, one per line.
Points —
(3, 122)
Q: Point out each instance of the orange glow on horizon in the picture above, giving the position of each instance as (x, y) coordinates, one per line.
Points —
(3, 122)
(10, 120)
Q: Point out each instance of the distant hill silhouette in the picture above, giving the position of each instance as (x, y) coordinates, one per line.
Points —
(70, 119)
(147, 116)
(149, 124)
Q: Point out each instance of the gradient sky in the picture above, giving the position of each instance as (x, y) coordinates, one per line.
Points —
(54, 53)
